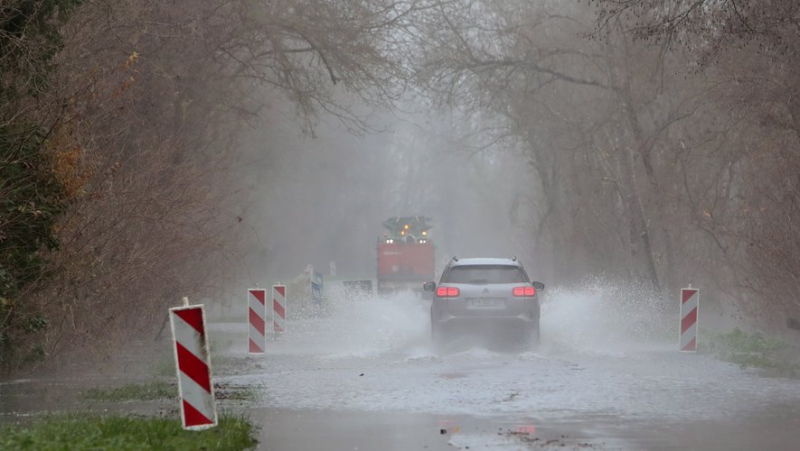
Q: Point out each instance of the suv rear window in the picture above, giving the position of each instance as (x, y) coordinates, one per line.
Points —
(483, 274)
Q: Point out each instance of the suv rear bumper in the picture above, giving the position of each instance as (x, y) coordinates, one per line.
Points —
(476, 324)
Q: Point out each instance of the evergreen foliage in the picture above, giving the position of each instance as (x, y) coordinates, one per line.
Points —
(31, 196)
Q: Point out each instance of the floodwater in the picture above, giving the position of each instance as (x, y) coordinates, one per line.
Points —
(366, 376)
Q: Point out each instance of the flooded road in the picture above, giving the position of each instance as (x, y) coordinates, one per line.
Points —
(367, 376)
(654, 399)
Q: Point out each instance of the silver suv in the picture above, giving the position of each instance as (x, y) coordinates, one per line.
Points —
(485, 295)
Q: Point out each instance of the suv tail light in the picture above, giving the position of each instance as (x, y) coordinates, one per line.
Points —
(524, 292)
(447, 292)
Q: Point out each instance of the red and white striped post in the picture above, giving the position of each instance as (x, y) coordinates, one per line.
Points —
(690, 302)
(198, 405)
(257, 320)
(279, 308)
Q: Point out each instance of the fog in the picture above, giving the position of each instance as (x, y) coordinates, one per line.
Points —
(323, 198)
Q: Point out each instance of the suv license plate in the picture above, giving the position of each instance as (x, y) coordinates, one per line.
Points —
(483, 303)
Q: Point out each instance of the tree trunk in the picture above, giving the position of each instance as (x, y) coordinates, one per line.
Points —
(639, 234)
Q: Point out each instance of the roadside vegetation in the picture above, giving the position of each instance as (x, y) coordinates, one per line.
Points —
(90, 432)
(241, 393)
(134, 392)
(754, 350)
(159, 389)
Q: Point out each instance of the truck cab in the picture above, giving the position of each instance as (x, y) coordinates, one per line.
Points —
(405, 254)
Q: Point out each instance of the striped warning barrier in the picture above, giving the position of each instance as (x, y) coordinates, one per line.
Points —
(198, 407)
(690, 299)
(279, 308)
(257, 317)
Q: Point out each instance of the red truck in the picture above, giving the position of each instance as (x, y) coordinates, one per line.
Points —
(405, 254)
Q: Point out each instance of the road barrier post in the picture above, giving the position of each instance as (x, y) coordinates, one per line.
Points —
(193, 362)
(690, 303)
(279, 308)
(256, 317)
